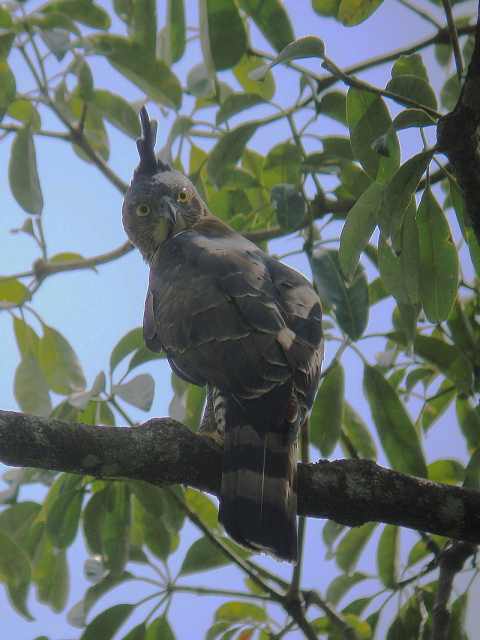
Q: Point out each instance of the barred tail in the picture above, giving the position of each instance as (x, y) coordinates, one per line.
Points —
(258, 503)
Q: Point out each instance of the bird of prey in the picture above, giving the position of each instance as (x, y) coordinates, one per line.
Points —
(231, 317)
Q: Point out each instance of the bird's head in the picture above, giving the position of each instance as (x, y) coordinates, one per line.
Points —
(160, 201)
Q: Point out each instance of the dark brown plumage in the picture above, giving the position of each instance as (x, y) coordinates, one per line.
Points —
(233, 318)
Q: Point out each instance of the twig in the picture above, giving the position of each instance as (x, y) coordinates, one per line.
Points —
(421, 13)
(452, 28)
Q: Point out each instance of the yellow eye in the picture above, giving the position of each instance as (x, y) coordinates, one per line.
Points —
(182, 196)
(142, 210)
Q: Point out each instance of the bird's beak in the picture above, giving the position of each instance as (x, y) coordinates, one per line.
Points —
(169, 209)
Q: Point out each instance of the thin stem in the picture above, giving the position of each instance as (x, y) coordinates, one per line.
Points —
(124, 415)
(452, 28)
(352, 81)
(421, 13)
(12, 128)
(228, 593)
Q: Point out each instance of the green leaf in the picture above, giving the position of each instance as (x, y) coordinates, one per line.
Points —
(327, 411)
(22, 172)
(368, 120)
(358, 228)
(272, 20)
(331, 531)
(242, 71)
(450, 92)
(31, 388)
(223, 34)
(353, 12)
(394, 426)
(13, 292)
(448, 359)
(134, 62)
(137, 633)
(15, 573)
(143, 355)
(410, 65)
(235, 103)
(282, 165)
(412, 118)
(117, 111)
(400, 190)
(59, 363)
(414, 88)
(176, 29)
(349, 302)
(351, 546)
(472, 472)
(84, 11)
(131, 341)
(229, 148)
(387, 556)
(143, 25)
(306, 47)
(50, 573)
(24, 111)
(138, 391)
(436, 407)
(469, 421)
(289, 205)
(448, 471)
(334, 105)
(456, 627)
(160, 629)
(107, 623)
(63, 518)
(358, 433)
(115, 529)
(202, 506)
(202, 556)
(7, 87)
(240, 612)
(342, 584)
(439, 266)
(95, 592)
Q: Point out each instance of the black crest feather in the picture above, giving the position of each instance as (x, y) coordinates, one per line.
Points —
(149, 163)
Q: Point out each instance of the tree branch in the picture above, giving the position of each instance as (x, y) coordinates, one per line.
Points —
(458, 135)
(451, 562)
(163, 451)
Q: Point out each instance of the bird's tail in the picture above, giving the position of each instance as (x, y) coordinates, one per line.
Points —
(258, 503)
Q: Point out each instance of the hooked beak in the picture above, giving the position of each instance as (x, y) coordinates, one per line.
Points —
(169, 209)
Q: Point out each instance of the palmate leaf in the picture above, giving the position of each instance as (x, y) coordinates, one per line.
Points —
(222, 33)
(272, 19)
(23, 172)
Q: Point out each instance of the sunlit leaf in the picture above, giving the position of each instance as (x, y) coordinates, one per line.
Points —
(84, 11)
(272, 19)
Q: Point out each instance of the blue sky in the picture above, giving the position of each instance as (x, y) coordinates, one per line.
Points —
(94, 310)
